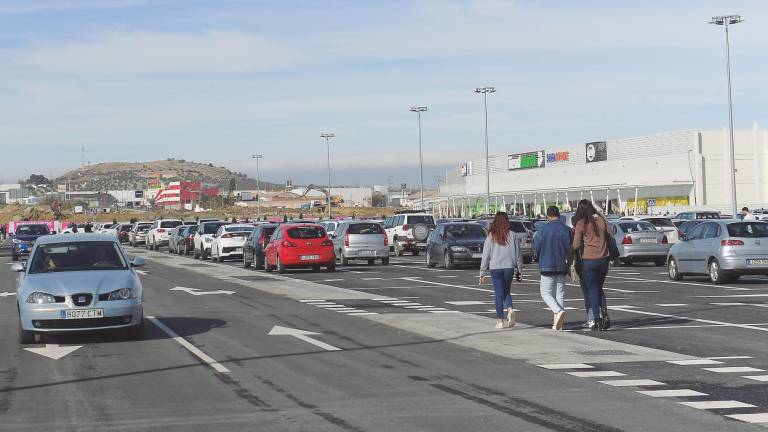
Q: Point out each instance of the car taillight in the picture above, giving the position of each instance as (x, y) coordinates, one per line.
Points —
(664, 240)
(287, 243)
(161, 230)
(346, 239)
(326, 243)
(730, 242)
(386, 240)
(627, 240)
(406, 227)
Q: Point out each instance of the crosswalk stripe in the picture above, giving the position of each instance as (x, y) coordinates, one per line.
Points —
(632, 383)
(671, 393)
(694, 362)
(596, 374)
(750, 418)
(557, 366)
(734, 369)
(726, 404)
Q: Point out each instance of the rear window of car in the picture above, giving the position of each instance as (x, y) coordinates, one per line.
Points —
(170, 224)
(142, 228)
(630, 227)
(306, 232)
(125, 228)
(518, 227)
(661, 222)
(413, 220)
(707, 215)
(212, 227)
(269, 231)
(464, 232)
(686, 227)
(748, 229)
(365, 228)
(239, 229)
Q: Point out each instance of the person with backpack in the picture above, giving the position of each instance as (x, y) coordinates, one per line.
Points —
(502, 256)
(552, 244)
(591, 238)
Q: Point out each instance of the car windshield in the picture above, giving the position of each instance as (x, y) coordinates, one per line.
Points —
(630, 227)
(212, 227)
(365, 228)
(192, 229)
(517, 226)
(32, 230)
(169, 224)
(413, 220)
(748, 229)
(464, 232)
(77, 256)
(306, 232)
(125, 228)
(661, 222)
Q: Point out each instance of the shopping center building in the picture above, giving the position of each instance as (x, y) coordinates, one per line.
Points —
(661, 173)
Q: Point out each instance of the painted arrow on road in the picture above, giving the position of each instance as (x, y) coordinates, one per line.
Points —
(53, 351)
(198, 291)
(302, 335)
(6, 294)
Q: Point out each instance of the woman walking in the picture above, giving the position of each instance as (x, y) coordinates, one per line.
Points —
(501, 254)
(590, 233)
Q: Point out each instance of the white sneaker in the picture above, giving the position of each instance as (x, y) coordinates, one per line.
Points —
(500, 324)
(510, 317)
(559, 320)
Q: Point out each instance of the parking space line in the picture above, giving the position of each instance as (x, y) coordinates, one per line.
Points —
(672, 393)
(761, 378)
(632, 383)
(744, 326)
(734, 369)
(450, 285)
(559, 366)
(750, 418)
(694, 362)
(191, 348)
(595, 374)
(725, 404)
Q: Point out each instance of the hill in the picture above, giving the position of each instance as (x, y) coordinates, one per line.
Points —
(127, 176)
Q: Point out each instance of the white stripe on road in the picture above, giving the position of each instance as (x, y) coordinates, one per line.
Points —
(750, 418)
(672, 393)
(448, 285)
(694, 362)
(632, 383)
(761, 378)
(744, 326)
(730, 358)
(191, 348)
(671, 304)
(726, 404)
(734, 369)
(312, 301)
(596, 374)
(558, 366)
(362, 313)
(732, 296)
(443, 311)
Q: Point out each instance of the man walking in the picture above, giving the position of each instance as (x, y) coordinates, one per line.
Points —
(552, 243)
(747, 215)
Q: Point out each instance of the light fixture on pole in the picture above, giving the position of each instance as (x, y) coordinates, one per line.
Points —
(327, 137)
(419, 110)
(258, 189)
(485, 91)
(725, 21)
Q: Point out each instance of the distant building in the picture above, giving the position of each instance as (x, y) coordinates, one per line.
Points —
(182, 194)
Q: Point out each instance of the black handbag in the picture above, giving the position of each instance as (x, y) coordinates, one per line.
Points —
(613, 250)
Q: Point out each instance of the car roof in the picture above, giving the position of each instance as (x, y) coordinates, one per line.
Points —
(238, 225)
(76, 237)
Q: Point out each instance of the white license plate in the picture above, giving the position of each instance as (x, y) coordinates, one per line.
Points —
(309, 257)
(477, 255)
(367, 253)
(761, 261)
(647, 240)
(421, 244)
(82, 313)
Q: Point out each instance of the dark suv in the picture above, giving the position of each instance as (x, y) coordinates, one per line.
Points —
(24, 238)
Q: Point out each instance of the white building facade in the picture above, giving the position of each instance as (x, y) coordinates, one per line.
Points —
(659, 173)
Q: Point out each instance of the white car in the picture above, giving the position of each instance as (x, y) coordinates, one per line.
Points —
(160, 232)
(109, 228)
(204, 238)
(229, 241)
(401, 235)
(662, 224)
(330, 227)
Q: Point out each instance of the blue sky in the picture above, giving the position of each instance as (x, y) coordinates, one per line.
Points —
(216, 81)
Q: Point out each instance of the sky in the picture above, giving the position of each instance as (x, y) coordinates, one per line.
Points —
(219, 80)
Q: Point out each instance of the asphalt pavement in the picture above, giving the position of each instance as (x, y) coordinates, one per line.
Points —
(395, 348)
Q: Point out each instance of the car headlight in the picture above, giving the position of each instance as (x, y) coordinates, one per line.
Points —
(121, 294)
(40, 298)
(458, 249)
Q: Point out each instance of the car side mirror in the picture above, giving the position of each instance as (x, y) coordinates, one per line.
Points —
(18, 267)
(138, 262)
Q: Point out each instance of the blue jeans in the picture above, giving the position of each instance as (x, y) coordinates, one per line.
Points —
(592, 279)
(502, 284)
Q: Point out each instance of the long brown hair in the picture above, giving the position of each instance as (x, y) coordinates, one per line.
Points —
(500, 228)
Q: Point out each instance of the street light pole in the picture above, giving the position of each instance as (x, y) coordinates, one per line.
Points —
(485, 91)
(725, 21)
(327, 137)
(419, 110)
(258, 189)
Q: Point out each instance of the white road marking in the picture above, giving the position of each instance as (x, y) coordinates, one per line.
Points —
(694, 362)
(672, 393)
(444, 311)
(394, 301)
(449, 285)
(433, 309)
(406, 304)
(6, 294)
(728, 304)
(730, 358)
(331, 280)
(333, 306)
(732, 296)
(301, 335)
(596, 374)
(54, 351)
(744, 326)
(761, 378)
(191, 348)
(750, 418)
(671, 304)
(734, 369)
(199, 292)
(468, 303)
(362, 313)
(632, 383)
(370, 279)
(348, 310)
(419, 307)
(674, 327)
(725, 404)
(558, 366)
(622, 307)
(446, 276)
(311, 301)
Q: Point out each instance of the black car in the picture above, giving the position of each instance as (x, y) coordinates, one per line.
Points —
(24, 238)
(457, 243)
(185, 242)
(175, 239)
(253, 249)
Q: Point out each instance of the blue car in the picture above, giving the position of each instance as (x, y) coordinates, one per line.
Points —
(24, 238)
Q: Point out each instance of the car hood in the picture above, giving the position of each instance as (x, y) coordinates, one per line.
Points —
(75, 282)
(28, 237)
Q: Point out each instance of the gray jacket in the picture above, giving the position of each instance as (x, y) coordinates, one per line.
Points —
(496, 256)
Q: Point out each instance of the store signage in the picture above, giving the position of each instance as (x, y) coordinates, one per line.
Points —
(139, 194)
(597, 151)
(555, 157)
(535, 159)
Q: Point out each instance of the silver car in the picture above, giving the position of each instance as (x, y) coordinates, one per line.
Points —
(721, 249)
(361, 240)
(138, 233)
(639, 241)
(78, 282)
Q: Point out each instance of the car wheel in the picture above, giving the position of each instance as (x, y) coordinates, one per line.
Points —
(203, 254)
(716, 274)
(246, 263)
(331, 268)
(26, 337)
(385, 261)
(280, 266)
(430, 263)
(673, 271)
(344, 260)
(135, 333)
(195, 254)
(449, 265)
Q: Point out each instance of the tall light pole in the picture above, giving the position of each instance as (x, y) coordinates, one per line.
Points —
(258, 189)
(327, 137)
(725, 21)
(485, 91)
(419, 110)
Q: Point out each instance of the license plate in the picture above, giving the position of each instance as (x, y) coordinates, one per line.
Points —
(309, 257)
(367, 253)
(82, 313)
(647, 240)
(421, 244)
(761, 261)
(477, 255)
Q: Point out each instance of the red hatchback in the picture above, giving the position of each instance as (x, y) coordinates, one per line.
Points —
(299, 245)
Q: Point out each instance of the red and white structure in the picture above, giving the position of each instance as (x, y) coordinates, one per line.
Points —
(182, 195)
